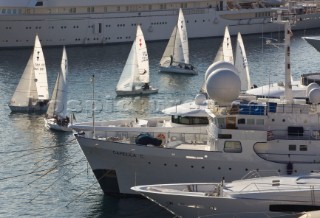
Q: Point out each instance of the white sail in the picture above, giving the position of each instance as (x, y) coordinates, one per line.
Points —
(177, 47)
(126, 79)
(142, 75)
(241, 63)
(183, 36)
(58, 103)
(169, 51)
(26, 91)
(225, 52)
(40, 71)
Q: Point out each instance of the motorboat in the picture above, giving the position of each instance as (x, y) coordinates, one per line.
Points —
(255, 195)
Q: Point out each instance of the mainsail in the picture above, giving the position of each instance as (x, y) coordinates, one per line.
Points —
(40, 71)
(241, 63)
(142, 75)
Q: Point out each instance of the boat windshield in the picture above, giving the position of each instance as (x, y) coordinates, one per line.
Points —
(189, 120)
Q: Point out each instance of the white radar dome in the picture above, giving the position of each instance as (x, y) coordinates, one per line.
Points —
(223, 85)
(314, 96)
(312, 86)
(219, 65)
(200, 99)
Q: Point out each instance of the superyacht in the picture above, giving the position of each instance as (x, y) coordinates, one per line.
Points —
(83, 22)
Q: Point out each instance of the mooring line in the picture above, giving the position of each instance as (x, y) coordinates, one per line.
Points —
(54, 183)
(86, 189)
(53, 168)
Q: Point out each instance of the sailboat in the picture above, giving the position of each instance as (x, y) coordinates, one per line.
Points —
(241, 63)
(175, 58)
(31, 94)
(56, 117)
(134, 79)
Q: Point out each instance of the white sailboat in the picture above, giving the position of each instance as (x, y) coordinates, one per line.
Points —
(56, 117)
(241, 63)
(31, 94)
(134, 79)
(175, 58)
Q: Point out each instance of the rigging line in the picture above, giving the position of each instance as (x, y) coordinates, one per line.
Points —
(87, 189)
(54, 168)
(25, 174)
(55, 182)
(28, 154)
(67, 156)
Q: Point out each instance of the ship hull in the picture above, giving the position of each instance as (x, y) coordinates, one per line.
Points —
(119, 166)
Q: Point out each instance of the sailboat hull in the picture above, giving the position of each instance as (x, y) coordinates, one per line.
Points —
(137, 92)
(178, 70)
(53, 125)
(39, 108)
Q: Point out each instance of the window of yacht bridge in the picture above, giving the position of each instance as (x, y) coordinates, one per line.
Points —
(241, 121)
(189, 120)
(232, 147)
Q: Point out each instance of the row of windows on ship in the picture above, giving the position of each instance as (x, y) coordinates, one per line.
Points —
(108, 25)
(236, 147)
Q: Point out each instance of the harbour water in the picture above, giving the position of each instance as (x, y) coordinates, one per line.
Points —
(45, 173)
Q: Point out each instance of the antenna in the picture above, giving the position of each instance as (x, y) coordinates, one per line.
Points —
(287, 20)
(93, 105)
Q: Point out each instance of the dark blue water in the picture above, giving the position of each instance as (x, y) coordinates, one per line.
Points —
(45, 174)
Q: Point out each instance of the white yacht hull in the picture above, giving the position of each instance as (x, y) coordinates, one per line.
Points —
(53, 125)
(119, 166)
(178, 70)
(101, 28)
(190, 206)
